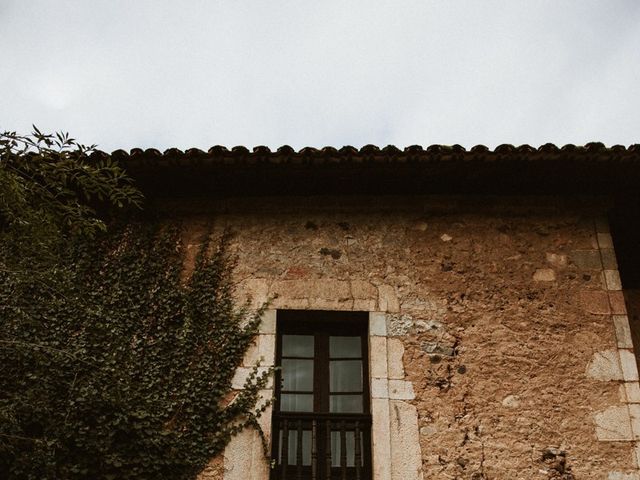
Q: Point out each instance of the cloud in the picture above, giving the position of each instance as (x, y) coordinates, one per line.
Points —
(198, 73)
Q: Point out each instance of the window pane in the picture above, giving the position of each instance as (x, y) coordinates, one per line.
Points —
(345, 347)
(297, 346)
(293, 446)
(345, 375)
(297, 375)
(345, 404)
(299, 402)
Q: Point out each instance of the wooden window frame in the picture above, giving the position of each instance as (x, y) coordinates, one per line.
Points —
(322, 325)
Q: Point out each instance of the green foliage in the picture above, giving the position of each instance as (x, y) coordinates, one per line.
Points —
(52, 182)
(112, 365)
(124, 369)
(51, 188)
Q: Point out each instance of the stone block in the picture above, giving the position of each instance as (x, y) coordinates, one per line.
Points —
(361, 305)
(268, 324)
(605, 366)
(544, 275)
(595, 301)
(259, 462)
(262, 351)
(401, 390)
(378, 355)
(379, 388)
(634, 414)
(251, 356)
(430, 326)
(623, 332)
(255, 289)
(586, 259)
(363, 290)
(612, 280)
(240, 377)
(623, 476)
(287, 303)
(511, 401)
(617, 302)
(605, 240)
(288, 290)
(629, 365)
(399, 325)
(267, 350)
(609, 261)
(243, 457)
(632, 392)
(406, 457)
(380, 433)
(556, 259)
(395, 349)
(377, 324)
(237, 456)
(428, 430)
(613, 424)
(437, 348)
(334, 290)
(322, 294)
(387, 299)
(330, 304)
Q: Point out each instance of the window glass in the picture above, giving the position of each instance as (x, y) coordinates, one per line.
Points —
(345, 404)
(345, 347)
(297, 375)
(297, 346)
(345, 375)
(296, 402)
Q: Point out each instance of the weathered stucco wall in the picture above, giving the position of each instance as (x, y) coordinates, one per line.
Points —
(505, 314)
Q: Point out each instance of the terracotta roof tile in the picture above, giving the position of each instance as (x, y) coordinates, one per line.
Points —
(591, 168)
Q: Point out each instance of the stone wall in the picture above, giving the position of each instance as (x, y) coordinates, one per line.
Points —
(506, 316)
(632, 300)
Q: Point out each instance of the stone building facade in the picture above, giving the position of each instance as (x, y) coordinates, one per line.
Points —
(498, 338)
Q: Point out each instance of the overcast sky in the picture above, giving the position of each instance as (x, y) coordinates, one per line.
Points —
(187, 73)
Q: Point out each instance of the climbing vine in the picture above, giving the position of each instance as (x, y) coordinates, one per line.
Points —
(116, 366)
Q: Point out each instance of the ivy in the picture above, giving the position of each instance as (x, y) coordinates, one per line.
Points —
(114, 366)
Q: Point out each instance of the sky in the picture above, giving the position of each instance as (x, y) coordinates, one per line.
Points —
(198, 73)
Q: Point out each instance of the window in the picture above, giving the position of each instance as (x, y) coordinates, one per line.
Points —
(322, 421)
